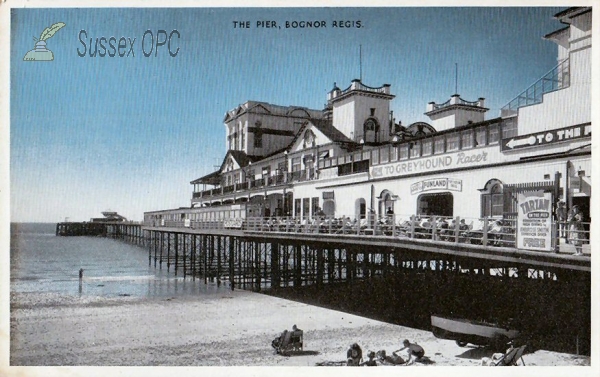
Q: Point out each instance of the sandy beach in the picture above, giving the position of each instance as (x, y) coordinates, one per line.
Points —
(230, 329)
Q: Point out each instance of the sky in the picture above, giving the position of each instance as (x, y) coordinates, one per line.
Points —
(129, 133)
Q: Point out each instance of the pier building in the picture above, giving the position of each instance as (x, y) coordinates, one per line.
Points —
(333, 204)
(352, 160)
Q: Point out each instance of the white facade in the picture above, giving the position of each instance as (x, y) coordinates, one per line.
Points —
(466, 166)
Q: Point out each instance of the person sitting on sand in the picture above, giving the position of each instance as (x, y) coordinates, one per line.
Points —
(395, 359)
(354, 355)
(371, 362)
(414, 351)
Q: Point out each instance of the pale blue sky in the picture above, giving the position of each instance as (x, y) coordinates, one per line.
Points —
(130, 133)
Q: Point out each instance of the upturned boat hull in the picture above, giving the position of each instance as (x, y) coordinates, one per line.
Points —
(467, 331)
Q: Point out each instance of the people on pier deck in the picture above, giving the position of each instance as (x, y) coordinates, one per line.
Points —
(577, 234)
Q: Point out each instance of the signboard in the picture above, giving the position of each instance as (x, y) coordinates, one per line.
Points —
(233, 223)
(436, 184)
(546, 137)
(534, 221)
(328, 195)
(471, 158)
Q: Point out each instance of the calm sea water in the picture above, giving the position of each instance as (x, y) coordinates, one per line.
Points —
(43, 262)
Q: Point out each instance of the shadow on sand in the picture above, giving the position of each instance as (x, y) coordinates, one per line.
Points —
(476, 353)
(300, 353)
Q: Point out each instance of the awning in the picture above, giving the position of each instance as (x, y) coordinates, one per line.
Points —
(324, 154)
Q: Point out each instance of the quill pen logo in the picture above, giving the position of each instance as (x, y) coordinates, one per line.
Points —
(40, 52)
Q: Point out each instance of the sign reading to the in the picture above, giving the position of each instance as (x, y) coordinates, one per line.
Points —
(547, 137)
(534, 221)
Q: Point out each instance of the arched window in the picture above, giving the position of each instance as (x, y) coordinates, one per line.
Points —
(386, 203)
(492, 198)
(371, 130)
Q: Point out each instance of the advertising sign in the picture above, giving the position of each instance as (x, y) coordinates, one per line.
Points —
(233, 223)
(467, 159)
(436, 184)
(534, 221)
(547, 137)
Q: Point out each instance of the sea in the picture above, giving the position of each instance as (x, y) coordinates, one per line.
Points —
(42, 262)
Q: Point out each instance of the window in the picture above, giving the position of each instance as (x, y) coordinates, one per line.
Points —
(493, 134)
(314, 205)
(384, 154)
(467, 139)
(258, 142)
(427, 147)
(452, 142)
(439, 145)
(509, 128)
(492, 199)
(375, 156)
(480, 137)
(308, 160)
(404, 151)
(415, 149)
(297, 208)
(305, 207)
(296, 164)
(394, 153)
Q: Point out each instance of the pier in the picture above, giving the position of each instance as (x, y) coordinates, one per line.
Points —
(395, 278)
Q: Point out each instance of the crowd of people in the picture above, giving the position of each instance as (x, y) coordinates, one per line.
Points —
(414, 353)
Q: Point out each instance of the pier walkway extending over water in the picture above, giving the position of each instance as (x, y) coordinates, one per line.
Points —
(375, 270)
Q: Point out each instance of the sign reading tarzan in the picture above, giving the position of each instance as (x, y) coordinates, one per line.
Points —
(534, 221)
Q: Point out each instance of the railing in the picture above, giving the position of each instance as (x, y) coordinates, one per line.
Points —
(557, 78)
(476, 231)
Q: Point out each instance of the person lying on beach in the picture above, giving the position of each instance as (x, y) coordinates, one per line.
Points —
(354, 355)
(414, 351)
(371, 362)
(395, 359)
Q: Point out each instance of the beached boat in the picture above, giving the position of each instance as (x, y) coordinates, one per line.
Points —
(465, 331)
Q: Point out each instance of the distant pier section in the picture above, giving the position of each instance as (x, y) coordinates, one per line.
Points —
(111, 225)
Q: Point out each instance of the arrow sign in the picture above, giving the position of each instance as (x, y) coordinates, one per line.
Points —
(558, 135)
(519, 142)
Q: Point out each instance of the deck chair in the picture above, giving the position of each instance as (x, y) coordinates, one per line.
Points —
(511, 358)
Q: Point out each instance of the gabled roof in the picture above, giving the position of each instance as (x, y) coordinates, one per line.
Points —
(326, 127)
(213, 178)
(240, 157)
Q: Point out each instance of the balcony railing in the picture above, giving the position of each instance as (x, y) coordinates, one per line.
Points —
(476, 231)
(557, 78)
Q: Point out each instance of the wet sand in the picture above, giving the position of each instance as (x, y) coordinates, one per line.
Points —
(228, 329)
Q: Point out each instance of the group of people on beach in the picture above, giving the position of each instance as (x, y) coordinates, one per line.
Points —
(414, 352)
